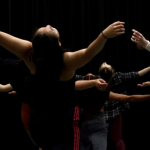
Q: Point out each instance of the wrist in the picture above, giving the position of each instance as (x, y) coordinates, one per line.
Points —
(104, 35)
(94, 82)
(146, 44)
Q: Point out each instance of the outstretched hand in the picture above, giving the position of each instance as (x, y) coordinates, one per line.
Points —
(114, 29)
(144, 84)
(139, 39)
(101, 84)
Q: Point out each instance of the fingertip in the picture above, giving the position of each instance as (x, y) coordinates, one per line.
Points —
(122, 22)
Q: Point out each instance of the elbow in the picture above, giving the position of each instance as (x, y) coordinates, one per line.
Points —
(27, 52)
(28, 47)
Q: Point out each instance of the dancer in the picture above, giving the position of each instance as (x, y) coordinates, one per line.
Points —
(91, 102)
(52, 117)
(14, 75)
(118, 84)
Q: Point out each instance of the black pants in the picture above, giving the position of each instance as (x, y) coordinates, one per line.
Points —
(52, 134)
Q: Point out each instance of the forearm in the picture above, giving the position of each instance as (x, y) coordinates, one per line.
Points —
(127, 98)
(84, 84)
(5, 88)
(15, 45)
(77, 59)
(138, 98)
(144, 71)
(95, 47)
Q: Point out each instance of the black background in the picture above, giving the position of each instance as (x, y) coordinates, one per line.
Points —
(79, 23)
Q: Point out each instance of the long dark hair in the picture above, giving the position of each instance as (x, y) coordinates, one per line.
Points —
(48, 58)
(47, 55)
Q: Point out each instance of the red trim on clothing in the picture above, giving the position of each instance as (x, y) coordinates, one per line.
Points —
(76, 128)
(25, 115)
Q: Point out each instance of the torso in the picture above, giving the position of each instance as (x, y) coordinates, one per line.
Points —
(66, 74)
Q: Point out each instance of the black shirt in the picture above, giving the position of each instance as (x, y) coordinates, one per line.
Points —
(92, 99)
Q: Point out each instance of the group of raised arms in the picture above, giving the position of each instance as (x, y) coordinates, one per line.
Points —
(45, 81)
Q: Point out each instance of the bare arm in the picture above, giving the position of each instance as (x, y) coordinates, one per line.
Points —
(5, 88)
(86, 84)
(17, 46)
(143, 71)
(77, 59)
(127, 98)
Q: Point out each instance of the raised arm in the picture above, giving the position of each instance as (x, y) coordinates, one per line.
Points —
(77, 59)
(143, 71)
(127, 98)
(19, 47)
(140, 40)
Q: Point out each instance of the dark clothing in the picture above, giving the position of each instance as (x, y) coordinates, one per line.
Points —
(113, 109)
(54, 119)
(94, 133)
(115, 133)
(79, 77)
(52, 127)
(92, 99)
(118, 85)
(19, 77)
(13, 74)
(94, 128)
(6, 69)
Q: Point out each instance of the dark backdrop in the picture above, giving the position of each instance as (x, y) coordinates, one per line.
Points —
(79, 23)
